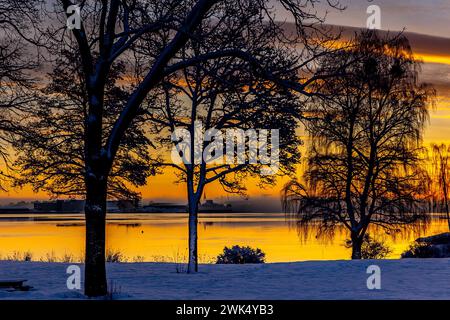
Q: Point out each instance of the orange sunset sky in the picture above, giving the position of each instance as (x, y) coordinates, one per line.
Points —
(426, 25)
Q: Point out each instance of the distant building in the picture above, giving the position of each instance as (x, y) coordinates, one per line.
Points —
(59, 206)
(162, 207)
(78, 206)
(123, 205)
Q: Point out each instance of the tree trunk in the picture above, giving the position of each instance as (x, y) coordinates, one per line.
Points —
(193, 236)
(356, 247)
(95, 212)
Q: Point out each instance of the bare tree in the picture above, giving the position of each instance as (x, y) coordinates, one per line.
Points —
(131, 30)
(440, 160)
(16, 82)
(50, 146)
(364, 160)
(206, 109)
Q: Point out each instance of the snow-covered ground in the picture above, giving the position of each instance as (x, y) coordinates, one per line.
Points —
(400, 279)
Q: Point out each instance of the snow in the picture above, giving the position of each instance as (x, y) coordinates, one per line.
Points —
(400, 279)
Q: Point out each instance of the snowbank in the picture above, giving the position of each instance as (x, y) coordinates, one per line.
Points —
(400, 279)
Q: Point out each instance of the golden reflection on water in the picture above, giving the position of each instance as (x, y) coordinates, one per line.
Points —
(163, 237)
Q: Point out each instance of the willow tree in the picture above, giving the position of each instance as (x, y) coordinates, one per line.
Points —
(363, 165)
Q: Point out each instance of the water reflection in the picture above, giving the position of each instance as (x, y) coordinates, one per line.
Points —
(163, 237)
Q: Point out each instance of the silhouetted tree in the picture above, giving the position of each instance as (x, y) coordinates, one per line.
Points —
(51, 146)
(15, 79)
(200, 102)
(363, 165)
(131, 30)
(440, 160)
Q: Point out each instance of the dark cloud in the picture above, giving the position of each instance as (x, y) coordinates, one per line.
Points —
(420, 16)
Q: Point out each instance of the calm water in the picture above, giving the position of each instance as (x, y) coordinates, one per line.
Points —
(163, 237)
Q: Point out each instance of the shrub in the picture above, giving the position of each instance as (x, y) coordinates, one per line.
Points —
(49, 257)
(67, 258)
(138, 258)
(372, 248)
(419, 250)
(15, 256)
(114, 256)
(241, 255)
(436, 246)
(27, 256)
(179, 259)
